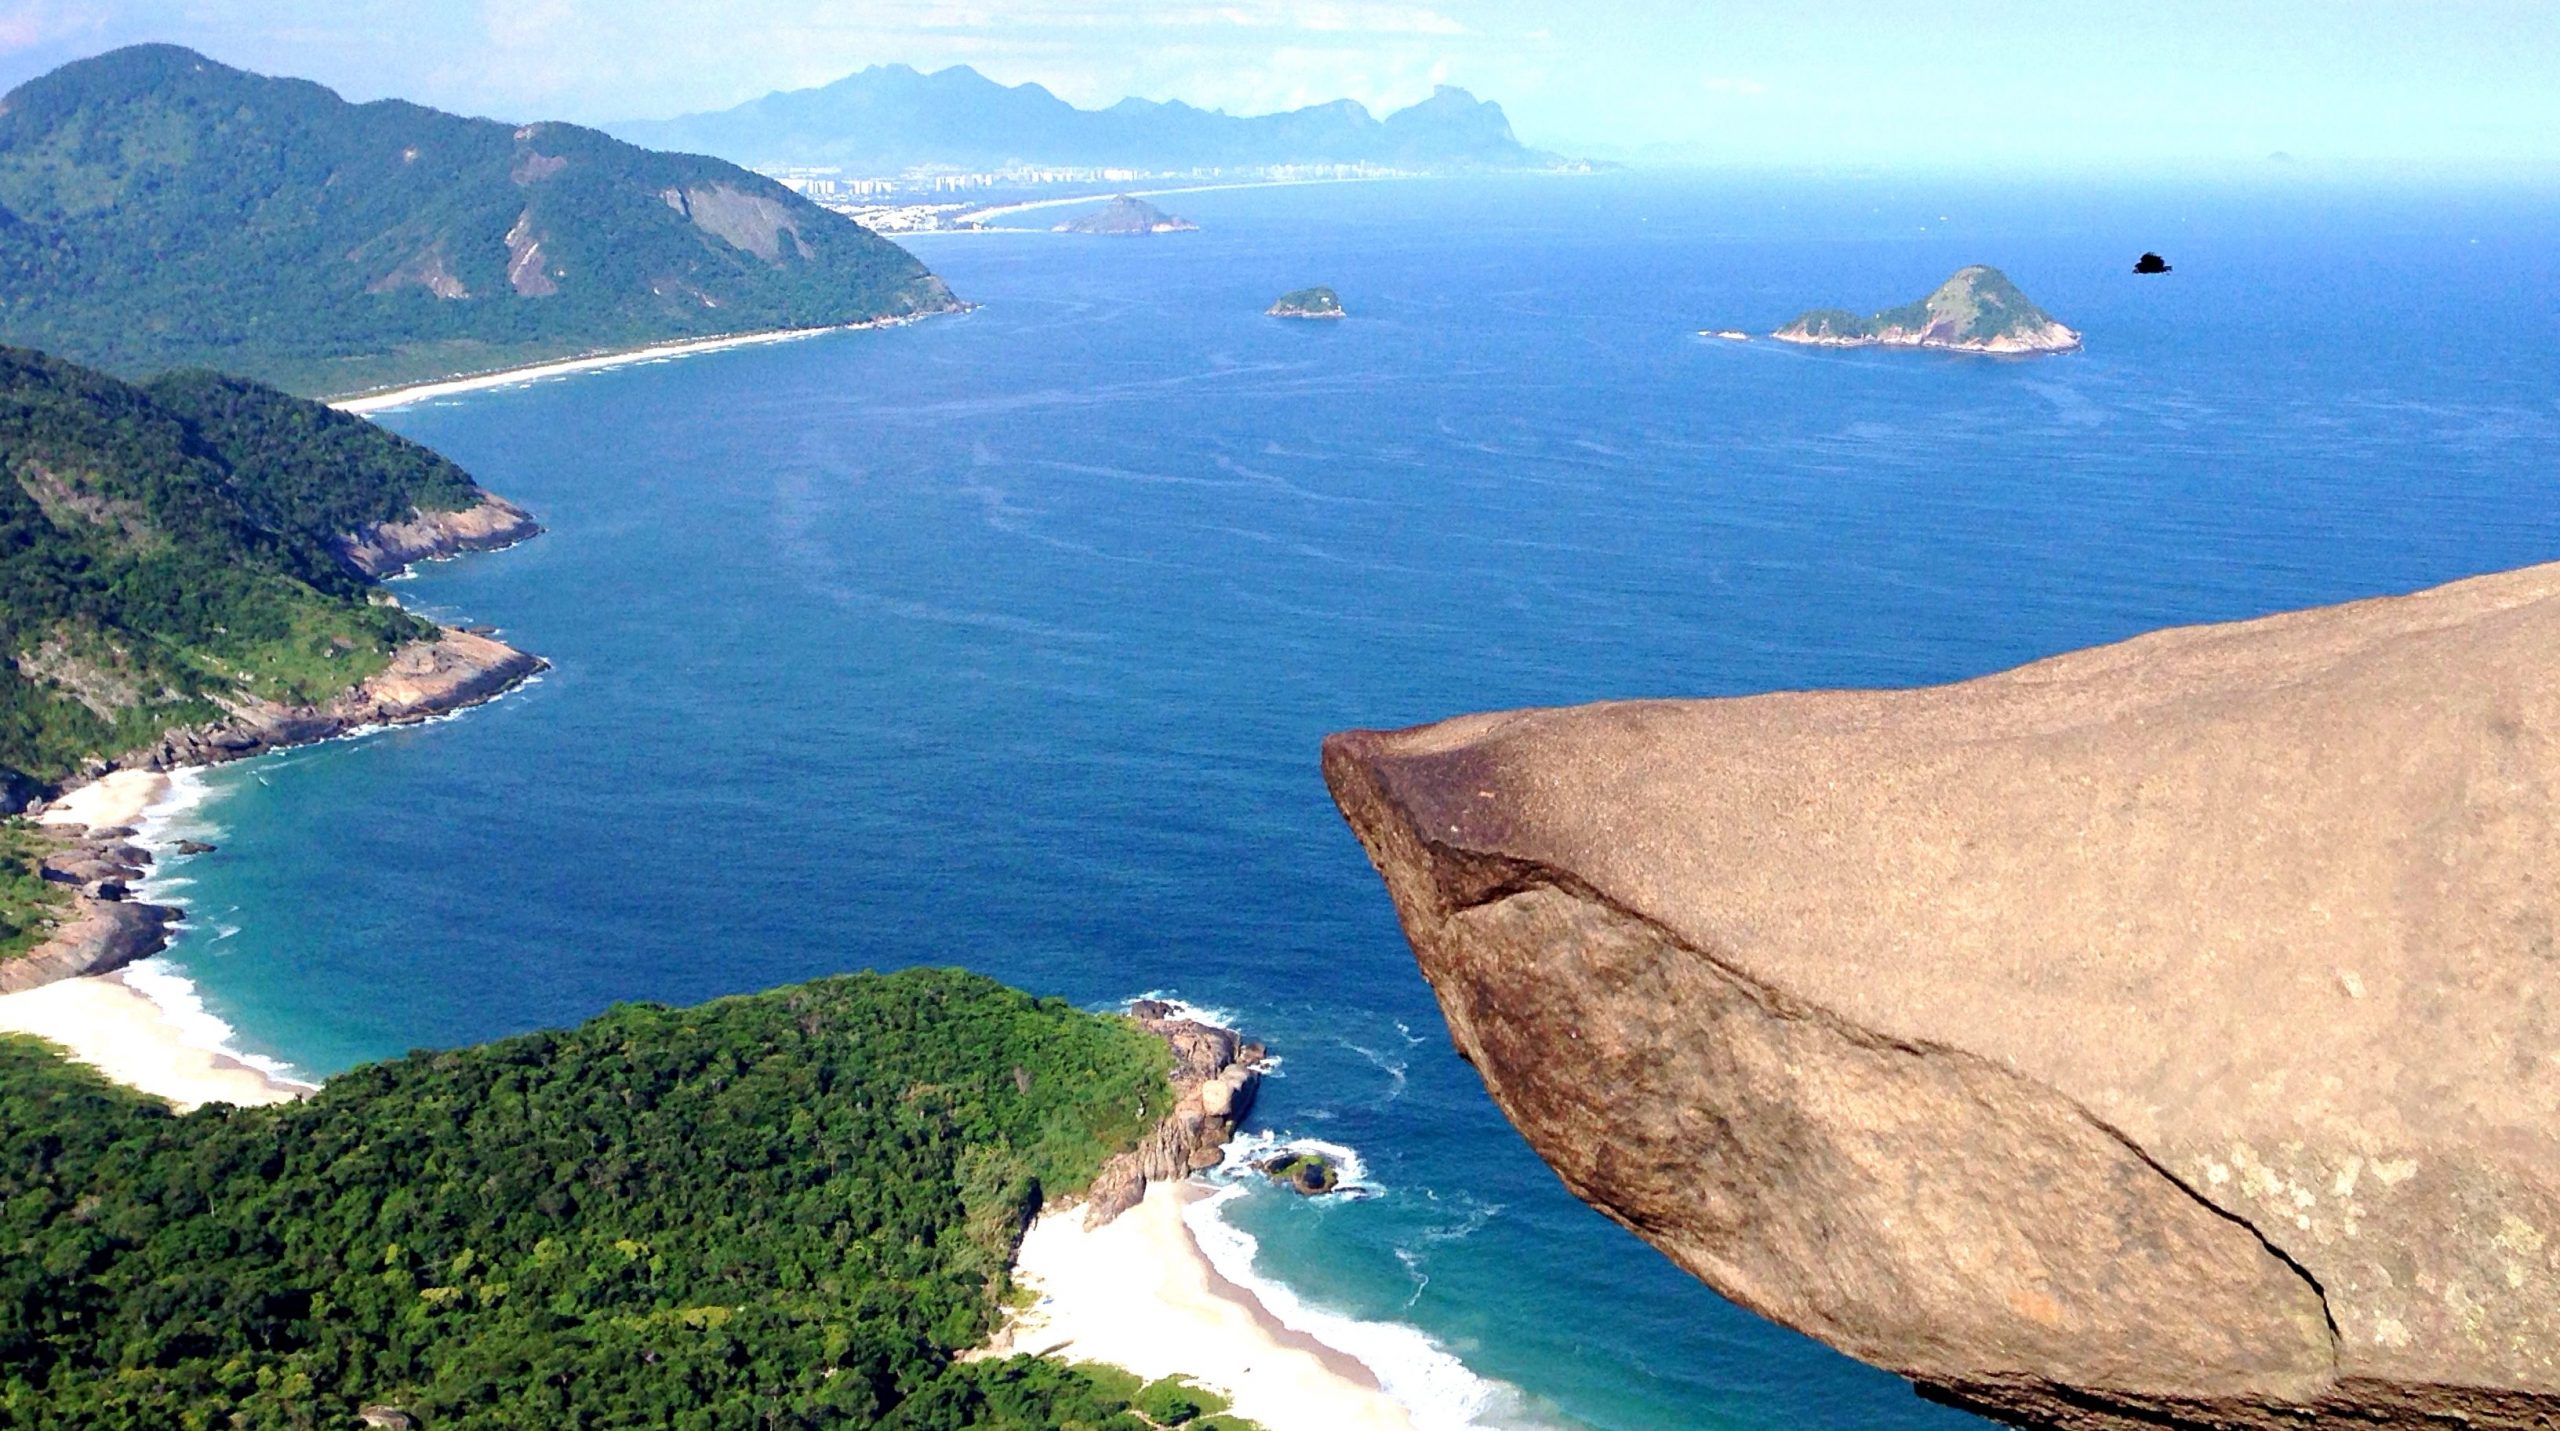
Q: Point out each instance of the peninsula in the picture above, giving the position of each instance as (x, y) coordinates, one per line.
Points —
(193, 578)
(1126, 217)
(593, 1225)
(160, 210)
(1307, 303)
(1977, 311)
(2152, 1036)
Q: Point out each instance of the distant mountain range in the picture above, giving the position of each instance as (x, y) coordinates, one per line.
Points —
(160, 210)
(890, 118)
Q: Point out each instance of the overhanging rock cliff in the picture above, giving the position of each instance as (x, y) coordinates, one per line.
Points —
(2165, 1033)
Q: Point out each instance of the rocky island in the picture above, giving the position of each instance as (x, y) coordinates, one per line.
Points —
(1307, 303)
(2156, 1035)
(1977, 311)
(1125, 217)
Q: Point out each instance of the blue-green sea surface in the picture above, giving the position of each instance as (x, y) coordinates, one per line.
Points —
(1007, 640)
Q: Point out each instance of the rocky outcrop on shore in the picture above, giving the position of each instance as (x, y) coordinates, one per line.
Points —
(1214, 1076)
(101, 936)
(2161, 1034)
(386, 548)
(425, 679)
(106, 928)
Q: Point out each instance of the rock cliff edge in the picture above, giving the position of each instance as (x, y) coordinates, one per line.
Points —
(2165, 1033)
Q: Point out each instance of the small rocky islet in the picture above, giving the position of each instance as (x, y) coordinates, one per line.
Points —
(1978, 310)
(1317, 303)
(1127, 217)
(1302, 1171)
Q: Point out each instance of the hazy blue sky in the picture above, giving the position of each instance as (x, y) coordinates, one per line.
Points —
(1883, 81)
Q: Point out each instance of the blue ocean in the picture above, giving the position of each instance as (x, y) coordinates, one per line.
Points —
(1007, 640)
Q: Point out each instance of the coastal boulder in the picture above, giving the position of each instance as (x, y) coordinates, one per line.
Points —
(100, 936)
(2162, 1034)
(380, 549)
(1214, 1075)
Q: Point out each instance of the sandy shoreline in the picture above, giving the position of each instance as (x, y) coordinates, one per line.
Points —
(117, 798)
(106, 1023)
(1029, 206)
(103, 1020)
(1142, 1295)
(534, 372)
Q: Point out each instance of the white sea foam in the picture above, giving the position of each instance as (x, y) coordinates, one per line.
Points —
(164, 984)
(1393, 1068)
(1433, 1385)
(182, 813)
(1439, 1391)
(1246, 1149)
(1184, 1009)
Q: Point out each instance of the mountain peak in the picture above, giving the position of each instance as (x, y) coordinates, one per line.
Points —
(437, 232)
(887, 119)
(1976, 310)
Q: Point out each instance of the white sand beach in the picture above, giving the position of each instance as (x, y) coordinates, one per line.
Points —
(980, 216)
(120, 797)
(103, 1022)
(1140, 1294)
(625, 357)
(509, 377)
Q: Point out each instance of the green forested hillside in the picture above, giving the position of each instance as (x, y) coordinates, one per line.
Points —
(159, 210)
(783, 1210)
(163, 547)
(305, 471)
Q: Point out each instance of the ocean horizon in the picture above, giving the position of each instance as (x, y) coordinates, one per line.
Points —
(1006, 640)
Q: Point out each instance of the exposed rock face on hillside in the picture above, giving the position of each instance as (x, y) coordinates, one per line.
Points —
(2166, 1033)
(383, 548)
(425, 679)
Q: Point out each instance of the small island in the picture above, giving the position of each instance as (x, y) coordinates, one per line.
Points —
(1977, 311)
(1304, 1172)
(1307, 303)
(1127, 217)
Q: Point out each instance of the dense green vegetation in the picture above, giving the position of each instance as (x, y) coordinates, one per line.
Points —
(307, 471)
(1831, 323)
(781, 1210)
(158, 210)
(1309, 303)
(29, 903)
(1982, 301)
(164, 547)
(1167, 1401)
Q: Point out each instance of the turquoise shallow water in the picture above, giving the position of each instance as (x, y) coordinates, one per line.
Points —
(1007, 640)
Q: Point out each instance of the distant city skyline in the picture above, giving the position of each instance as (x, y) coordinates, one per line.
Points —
(1961, 82)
